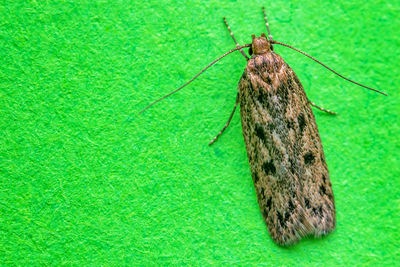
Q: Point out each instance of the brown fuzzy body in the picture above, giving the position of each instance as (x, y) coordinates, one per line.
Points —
(285, 153)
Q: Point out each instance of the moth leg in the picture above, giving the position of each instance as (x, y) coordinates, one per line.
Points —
(234, 39)
(321, 108)
(227, 123)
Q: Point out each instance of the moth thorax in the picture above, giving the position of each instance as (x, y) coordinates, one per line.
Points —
(260, 45)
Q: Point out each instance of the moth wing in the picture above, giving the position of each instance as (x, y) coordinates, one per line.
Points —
(285, 153)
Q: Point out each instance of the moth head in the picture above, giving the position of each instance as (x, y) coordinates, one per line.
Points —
(260, 45)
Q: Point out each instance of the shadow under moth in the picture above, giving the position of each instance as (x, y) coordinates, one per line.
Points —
(283, 145)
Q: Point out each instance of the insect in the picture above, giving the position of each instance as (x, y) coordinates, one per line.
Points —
(283, 145)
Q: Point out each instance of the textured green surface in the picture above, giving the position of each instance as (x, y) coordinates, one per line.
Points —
(84, 180)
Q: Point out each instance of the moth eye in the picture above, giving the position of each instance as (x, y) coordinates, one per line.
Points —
(250, 51)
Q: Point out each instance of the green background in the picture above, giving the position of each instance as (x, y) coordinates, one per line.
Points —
(85, 180)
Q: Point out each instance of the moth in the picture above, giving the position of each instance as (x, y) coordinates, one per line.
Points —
(284, 149)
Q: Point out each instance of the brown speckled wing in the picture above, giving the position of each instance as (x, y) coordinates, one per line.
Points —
(285, 153)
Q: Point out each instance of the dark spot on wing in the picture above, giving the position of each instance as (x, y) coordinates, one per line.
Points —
(250, 158)
(269, 203)
(280, 218)
(265, 212)
(271, 127)
(289, 124)
(262, 98)
(324, 179)
(292, 166)
(322, 159)
(317, 211)
(320, 210)
(255, 177)
(314, 210)
(260, 132)
(308, 158)
(291, 206)
(269, 167)
(287, 215)
(307, 202)
(330, 196)
(301, 121)
(322, 189)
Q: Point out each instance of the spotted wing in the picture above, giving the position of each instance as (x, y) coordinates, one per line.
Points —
(285, 153)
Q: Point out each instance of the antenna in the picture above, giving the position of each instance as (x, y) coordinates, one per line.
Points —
(209, 65)
(341, 76)
(266, 24)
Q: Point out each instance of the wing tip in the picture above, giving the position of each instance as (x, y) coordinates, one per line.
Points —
(295, 233)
